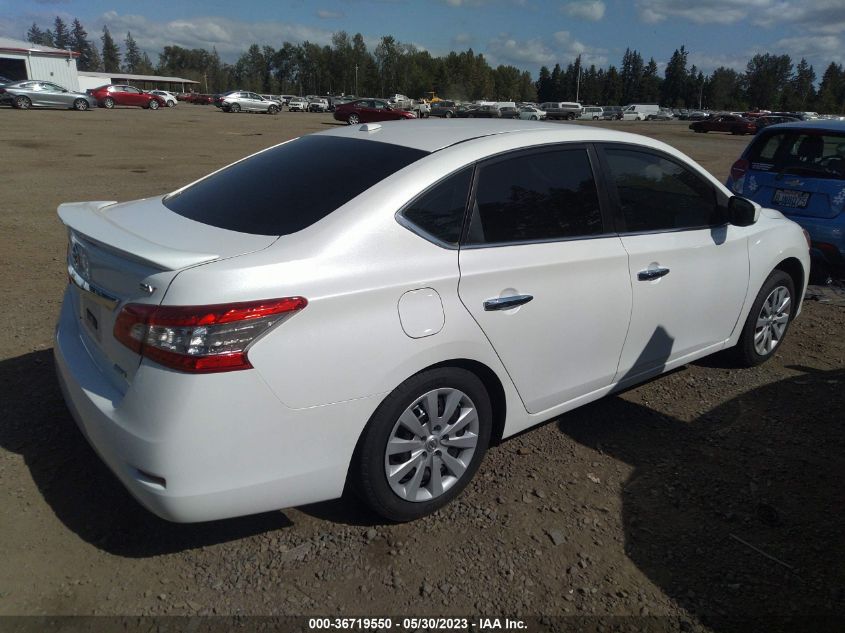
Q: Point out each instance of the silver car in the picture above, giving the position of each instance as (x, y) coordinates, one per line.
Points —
(249, 102)
(44, 94)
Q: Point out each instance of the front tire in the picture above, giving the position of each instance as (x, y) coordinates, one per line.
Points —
(153, 105)
(272, 110)
(767, 322)
(423, 444)
(80, 104)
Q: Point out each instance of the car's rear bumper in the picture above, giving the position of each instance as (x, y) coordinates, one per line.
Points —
(201, 447)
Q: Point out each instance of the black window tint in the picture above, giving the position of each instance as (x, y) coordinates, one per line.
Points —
(658, 194)
(543, 196)
(440, 210)
(290, 187)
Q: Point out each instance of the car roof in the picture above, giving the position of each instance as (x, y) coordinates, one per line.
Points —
(830, 125)
(433, 135)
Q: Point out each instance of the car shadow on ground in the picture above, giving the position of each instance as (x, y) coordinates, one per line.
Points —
(77, 485)
(738, 514)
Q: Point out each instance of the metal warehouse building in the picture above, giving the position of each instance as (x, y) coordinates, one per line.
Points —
(88, 79)
(25, 60)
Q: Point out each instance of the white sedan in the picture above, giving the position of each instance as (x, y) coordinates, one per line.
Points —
(530, 113)
(169, 97)
(259, 338)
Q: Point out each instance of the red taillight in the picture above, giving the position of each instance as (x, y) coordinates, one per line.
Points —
(739, 168)
(201, 339)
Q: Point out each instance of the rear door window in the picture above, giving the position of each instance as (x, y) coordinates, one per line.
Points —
(439, 212)
(290, 187)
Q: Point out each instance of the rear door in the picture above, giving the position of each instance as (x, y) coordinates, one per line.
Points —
(688, 268)
(543, 276)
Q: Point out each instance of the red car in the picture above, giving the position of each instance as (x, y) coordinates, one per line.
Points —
(200, 99)
(116, 94)
(369, 110)
(725, 123)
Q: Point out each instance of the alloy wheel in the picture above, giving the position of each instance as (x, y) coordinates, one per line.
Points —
(772, 321)
(431, 445)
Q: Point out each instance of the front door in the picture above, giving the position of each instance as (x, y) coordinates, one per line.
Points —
(543, 277)
(688, 268)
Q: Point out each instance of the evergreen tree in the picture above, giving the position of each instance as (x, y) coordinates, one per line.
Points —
(612, 91)
(544, 85)
(650, 84)
(675, 79)
(802, 92)
(89, 58)
(111, 53)
(831, 98)
(766, 75)
(61, 35)
(556, 88)
(132, 55)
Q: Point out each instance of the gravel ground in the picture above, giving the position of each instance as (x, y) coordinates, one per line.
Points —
(704, 497)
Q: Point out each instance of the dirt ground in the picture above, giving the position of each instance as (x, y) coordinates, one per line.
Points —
(705, 497)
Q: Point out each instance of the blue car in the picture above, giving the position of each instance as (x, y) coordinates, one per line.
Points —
(799, 169)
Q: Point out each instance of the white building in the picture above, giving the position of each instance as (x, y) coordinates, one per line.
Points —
(90, 79)
(25, 60)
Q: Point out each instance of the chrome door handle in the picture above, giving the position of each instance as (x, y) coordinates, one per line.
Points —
(652, 273)
(506, 303)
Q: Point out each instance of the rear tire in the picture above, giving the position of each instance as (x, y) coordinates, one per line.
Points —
(767, 322)
(23, 103)
(234, 108)
(108, 102)
(419, 492)
(353, 119)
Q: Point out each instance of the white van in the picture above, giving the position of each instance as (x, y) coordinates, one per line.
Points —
(591, 113)
(639, 111)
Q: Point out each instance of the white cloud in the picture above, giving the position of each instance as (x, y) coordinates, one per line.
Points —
(561, 49)
(828, 48)
(586, 9)
(325, 14)
(230, 37)
(701, 11)
(820, 16)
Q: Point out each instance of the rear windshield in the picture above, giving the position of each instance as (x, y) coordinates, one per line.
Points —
(290, 187)
(816, 154)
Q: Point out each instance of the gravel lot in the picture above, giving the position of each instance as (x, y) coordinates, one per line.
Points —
(704, 497)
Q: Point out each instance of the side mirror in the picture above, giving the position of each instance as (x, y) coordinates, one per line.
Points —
(742, 212)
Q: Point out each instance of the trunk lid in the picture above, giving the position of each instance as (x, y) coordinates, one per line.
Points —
(130, 253)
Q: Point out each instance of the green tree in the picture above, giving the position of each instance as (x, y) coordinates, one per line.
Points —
(132, 55)
(675, 79)
(801, 92)
(89, 58)
(725, 90)
(766, 75)
(650, 84)
(61, 35)
(111, 53)
(39, 37)
(831, 97)
(612, 90)
(544, 85)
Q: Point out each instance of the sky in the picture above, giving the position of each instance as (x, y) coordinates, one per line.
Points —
(524, 33)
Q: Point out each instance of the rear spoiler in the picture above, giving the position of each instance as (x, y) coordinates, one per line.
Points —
(90, 220)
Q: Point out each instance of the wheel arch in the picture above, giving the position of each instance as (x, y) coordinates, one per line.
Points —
(793, 267)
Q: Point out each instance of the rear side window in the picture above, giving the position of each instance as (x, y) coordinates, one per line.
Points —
(290, 187)
(543, 196)
(439, 212)
(657, 194)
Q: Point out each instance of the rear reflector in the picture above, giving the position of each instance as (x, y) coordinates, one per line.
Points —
(201, 339)
(739, 168)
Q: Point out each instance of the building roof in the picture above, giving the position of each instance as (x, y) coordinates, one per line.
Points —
(10, 45)
(130, 77)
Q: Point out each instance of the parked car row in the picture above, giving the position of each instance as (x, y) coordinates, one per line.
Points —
(33, 93)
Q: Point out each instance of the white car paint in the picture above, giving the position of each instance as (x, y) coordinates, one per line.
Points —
(283, 433)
